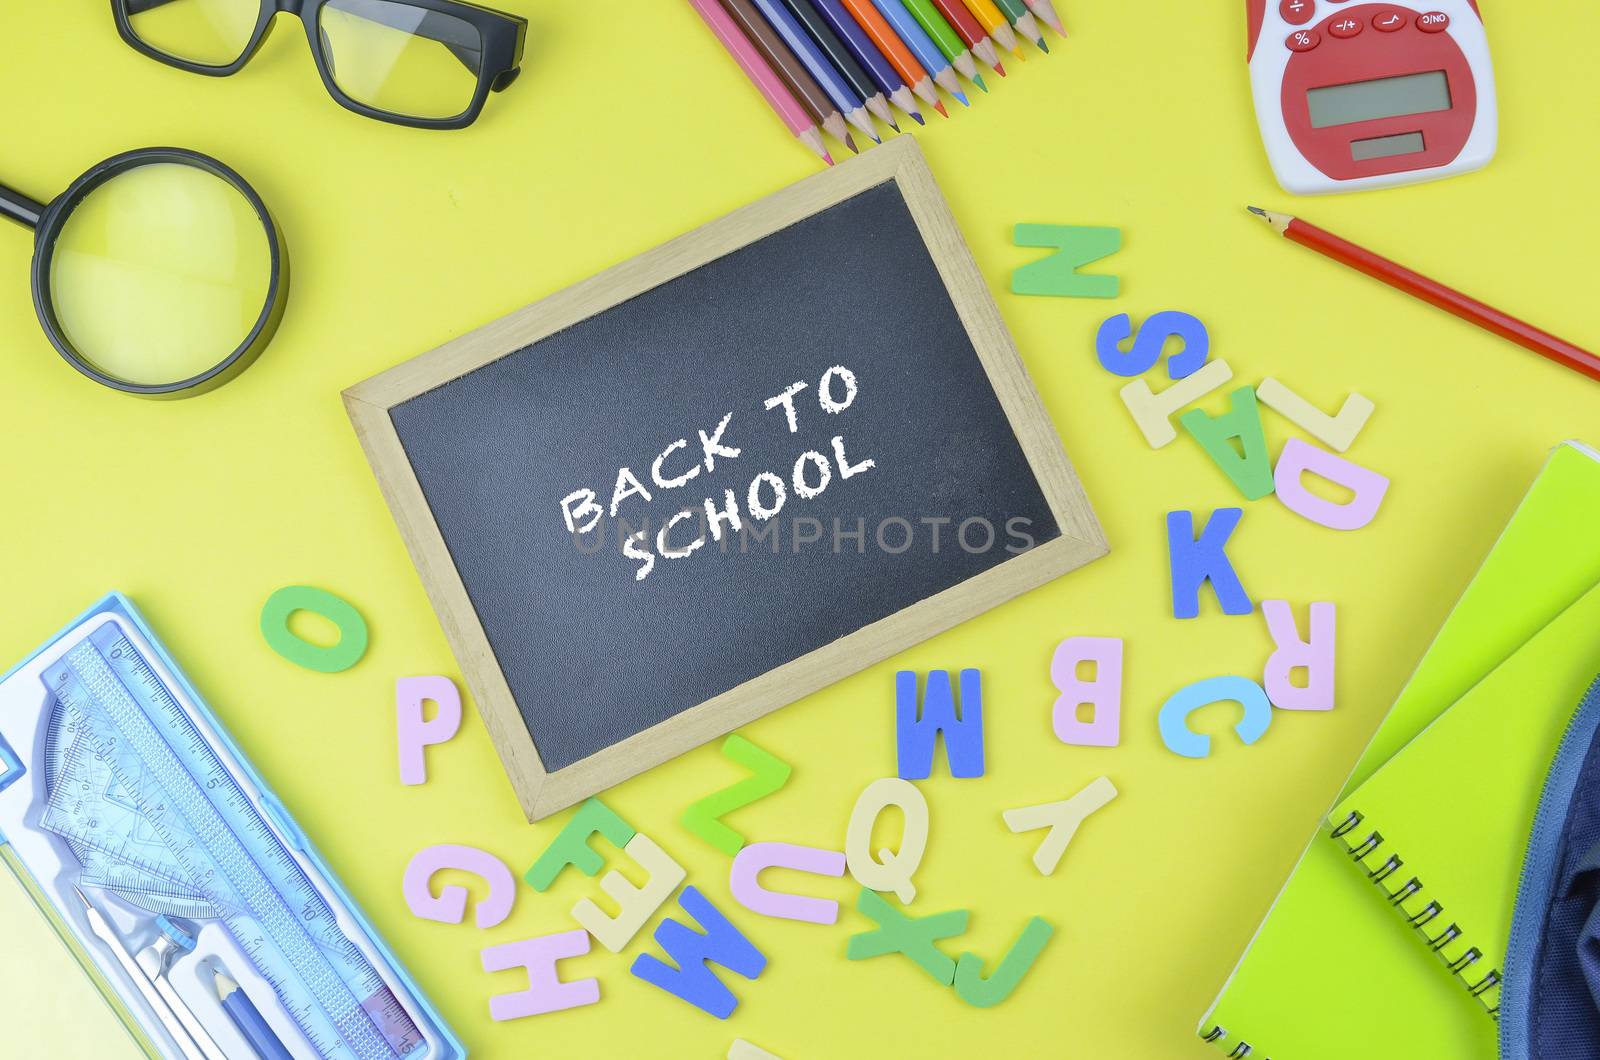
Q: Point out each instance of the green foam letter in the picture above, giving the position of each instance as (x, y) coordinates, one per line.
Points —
(769, 773)
(571, 844)
(975, 990)
(912, 936)
(1058, 274)
(280, 638)
(1252, 471)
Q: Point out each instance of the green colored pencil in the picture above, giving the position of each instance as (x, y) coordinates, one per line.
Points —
(945, 36)
(1023, 19)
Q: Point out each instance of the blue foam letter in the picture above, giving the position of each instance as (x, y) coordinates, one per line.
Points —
(1146, 348)
(1173, 719)
(721, 944)
(1194, 562)
(963, 736)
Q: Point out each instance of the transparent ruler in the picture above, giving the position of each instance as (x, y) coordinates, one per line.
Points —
(227, 851)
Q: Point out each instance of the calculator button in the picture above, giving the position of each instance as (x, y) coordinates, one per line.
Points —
(1433, 22)
(1303, 40)
(1345, 27)
(1388, 21)
(1296, 12)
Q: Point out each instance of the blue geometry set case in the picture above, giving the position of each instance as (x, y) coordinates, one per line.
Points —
(181, 885)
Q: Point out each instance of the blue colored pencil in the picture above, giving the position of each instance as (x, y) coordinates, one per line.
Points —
(928, 54)
(860, 81)
(873, 61)
(817, 65)
(248, 1019)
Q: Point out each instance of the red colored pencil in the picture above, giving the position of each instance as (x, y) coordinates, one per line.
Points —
(1437, 294)
(971, 34)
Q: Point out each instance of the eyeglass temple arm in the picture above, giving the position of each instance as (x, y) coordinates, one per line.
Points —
(431, 27)
(15, 206)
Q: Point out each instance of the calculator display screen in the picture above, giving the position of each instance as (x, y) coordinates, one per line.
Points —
(1386, 97)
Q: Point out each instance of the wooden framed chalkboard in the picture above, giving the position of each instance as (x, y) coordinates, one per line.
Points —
(722, 475)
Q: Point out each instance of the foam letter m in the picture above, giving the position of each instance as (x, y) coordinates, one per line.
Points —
(915, 736)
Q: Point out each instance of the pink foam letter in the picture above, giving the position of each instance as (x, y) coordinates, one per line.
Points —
(415, 733)
(545, 992)
(750, 894)
(451, 904)
(1314, 654)
(1299, 457)
(1103, 691)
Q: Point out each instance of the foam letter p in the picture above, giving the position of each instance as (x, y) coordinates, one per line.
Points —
(415, 732)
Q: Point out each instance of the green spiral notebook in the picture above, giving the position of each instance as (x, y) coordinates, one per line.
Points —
(1335, 969)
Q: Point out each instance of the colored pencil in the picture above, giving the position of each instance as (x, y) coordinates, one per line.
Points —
(247, 1018)
(1432, 292)
(790, 69)
(873, 24)
(873, 61)
(995, 24)
(922, 46)
(970, 32)
(760, 72)
(817, 65)
(825, 38)
(1022, 19)
(1046, 11)
(946, 39)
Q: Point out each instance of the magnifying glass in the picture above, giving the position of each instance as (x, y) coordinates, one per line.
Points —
(159, 272)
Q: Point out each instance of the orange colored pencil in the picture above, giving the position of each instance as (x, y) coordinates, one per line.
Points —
(894, 49)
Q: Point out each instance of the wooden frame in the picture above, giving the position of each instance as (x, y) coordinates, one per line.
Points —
(544, 792)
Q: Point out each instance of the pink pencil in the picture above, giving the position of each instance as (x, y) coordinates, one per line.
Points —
(758, 71)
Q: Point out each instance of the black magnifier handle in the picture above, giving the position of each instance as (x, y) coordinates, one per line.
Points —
(15, 206)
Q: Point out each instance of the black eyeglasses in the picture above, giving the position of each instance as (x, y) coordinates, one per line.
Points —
(424, 63)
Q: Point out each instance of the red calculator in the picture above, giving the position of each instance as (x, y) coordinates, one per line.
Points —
(1369, 95)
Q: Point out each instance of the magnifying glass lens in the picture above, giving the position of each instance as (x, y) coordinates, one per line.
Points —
(159, 273)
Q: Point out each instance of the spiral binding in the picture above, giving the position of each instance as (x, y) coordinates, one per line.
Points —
(1486, 989)
(1241, 1048)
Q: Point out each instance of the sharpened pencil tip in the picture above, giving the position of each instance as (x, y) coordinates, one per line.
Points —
(999, 69)
(827, 158)
(939, 106)
(977, 79)
(1258, 211)
(919, 119)
(962, 96)
(851, 144)
(1043, 46)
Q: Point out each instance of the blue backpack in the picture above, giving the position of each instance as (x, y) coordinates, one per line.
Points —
(1550, 1001)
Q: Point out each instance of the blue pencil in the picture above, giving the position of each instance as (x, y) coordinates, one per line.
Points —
(873, 61)
(860, 81)
(817, 65)
(245, 1016)
(928, 54)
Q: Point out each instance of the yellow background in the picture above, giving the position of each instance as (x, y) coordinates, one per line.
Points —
(630, 125)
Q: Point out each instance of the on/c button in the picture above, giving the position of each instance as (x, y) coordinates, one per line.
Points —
(1433, 22)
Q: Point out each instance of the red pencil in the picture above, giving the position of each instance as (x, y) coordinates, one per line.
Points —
(970, 32)
(1419, 286)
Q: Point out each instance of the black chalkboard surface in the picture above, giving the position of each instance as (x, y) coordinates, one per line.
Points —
(794, 443)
